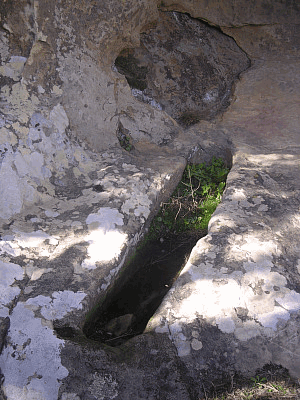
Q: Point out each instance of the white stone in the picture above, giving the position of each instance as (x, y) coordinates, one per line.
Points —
(106, 218)
(225, 324)
(32, 350)
(248, 330)
(31, 164)
(57, 306)
(11, 198)
(290, 301)
(9, 272)
(51, 213)
(14, 68)
(41, 89)
(59, 118)
(8, 246)
(105, 240)
(39, 272)
(103, 246)
(270, 320)
(31, 239)
(196, 344)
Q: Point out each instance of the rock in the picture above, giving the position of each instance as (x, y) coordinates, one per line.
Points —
(120, 325)
(238, 13)
(63, 244)
(188, 68)
(219, 280)
(267, 41)
(152, 369)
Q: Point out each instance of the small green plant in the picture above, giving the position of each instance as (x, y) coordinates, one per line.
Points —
(258, 381)
(125, 143)
(277, 388)
(193, 201)
(124, 138)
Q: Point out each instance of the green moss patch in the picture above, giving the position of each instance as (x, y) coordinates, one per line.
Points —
(193, 201)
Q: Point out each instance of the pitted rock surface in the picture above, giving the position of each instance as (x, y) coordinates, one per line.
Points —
(74, 204)
(188, 68)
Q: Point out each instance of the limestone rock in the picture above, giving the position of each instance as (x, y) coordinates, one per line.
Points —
(74, 204)
(17, 30)
(188, 67)
(238, 13)
(267, 41)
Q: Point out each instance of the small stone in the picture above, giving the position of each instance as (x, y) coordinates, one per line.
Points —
(224, 270)
(196, 344)
(120, 325)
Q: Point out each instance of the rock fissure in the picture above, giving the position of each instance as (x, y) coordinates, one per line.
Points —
(136, 295)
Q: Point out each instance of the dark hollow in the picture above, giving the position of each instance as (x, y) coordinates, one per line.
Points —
(128, 307)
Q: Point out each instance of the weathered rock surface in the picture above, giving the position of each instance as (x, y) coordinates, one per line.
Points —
(74, 204)
(266, 42)
(238, 13)
(186, 67)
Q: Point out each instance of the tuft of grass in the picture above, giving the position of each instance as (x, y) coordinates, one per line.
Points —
(123, 136)
(272, 382)
(193, 201)
(124, 141)
(258, 381)
(263, 391)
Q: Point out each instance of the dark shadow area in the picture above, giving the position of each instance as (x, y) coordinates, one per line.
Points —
(138, 292)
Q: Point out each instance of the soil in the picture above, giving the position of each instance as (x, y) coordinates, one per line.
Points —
(152, 272)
